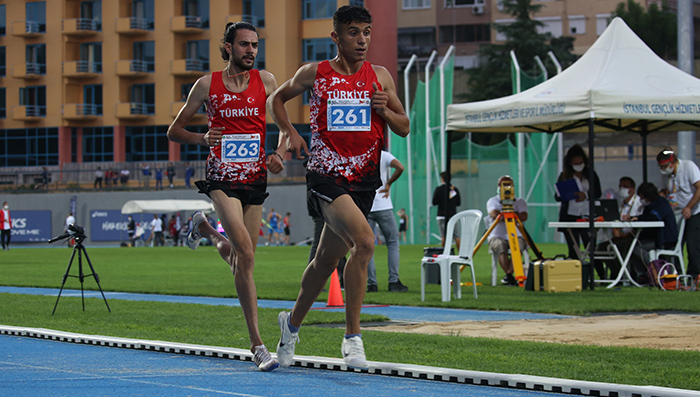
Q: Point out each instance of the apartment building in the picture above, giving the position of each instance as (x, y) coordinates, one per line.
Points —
(90, 81)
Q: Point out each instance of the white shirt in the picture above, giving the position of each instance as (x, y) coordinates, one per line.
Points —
(500, 230)
(680, 186)
(580, 208)
(6, 220)
(382, 203)
(69, 220)
(157, 225)
(633, 207)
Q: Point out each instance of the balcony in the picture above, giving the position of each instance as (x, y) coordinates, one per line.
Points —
(258, 22)
(29, 71)
(81, 27)
(198, 117)
(133, 110)
(81, 69)
(28, 28)
(186, 24)
(132, 68)
(133, 26)
(188, 67)
(28, 113)
(81, 111)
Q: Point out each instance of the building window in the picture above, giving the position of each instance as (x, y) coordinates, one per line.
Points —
(199, 9)
(3, 103)
(577, 24)
(36, 59)
(317, 9)
(143, 98)
(254, 12)
(98, 144)
(2, 61)
(197, 57)
(29, 147)
(419, 41)
(195, 152)
(143, 14)
(463, 3)
(317, 49)
(92, 99)
(144, 56)
(601, 23)
(91, 13)
(34, 98)
(552, 25)
(359, 3)
(465, 33)
(260, 59)
(90, 58)
(36, 17)
(3, 20)
(415, 4)
(147, 143)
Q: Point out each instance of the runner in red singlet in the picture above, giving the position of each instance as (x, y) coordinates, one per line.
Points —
(236, 174)
(352, 103)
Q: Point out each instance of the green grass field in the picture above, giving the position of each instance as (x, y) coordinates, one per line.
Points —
(181, 271)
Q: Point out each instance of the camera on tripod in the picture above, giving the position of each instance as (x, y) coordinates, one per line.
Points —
(73, 231)
(507, 191)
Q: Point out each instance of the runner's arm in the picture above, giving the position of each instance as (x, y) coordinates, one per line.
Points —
(387, 104)
(195, 99)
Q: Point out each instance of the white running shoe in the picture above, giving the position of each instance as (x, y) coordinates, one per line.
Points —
(354, 353)
(263, 359)
(288, 340)
(194, 237)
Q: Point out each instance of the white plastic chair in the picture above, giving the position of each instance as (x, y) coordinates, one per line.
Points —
(677, 251)
(450, 264)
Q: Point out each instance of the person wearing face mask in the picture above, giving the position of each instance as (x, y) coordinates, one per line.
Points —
(630, 206)
(576, 167)
(681, 179)
(5, 226)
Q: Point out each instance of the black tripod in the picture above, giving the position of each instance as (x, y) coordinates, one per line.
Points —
(80, 249)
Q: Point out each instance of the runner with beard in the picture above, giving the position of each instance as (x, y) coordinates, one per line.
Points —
(236, 172)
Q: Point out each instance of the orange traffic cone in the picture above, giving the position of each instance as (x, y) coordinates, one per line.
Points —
(335, 296)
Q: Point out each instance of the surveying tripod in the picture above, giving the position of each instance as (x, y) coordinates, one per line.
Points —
(513, 224)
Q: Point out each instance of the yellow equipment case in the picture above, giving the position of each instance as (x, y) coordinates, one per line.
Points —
(556, 275)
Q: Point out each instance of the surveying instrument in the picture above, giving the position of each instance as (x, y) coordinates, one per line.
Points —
(78, 234)
(513, 224)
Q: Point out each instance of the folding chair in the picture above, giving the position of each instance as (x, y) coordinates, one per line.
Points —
(450, 264)
(677, 251)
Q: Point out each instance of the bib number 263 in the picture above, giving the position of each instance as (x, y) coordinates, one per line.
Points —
(240, 148)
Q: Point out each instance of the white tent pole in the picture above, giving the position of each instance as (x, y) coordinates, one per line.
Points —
(686, 139)
(559, 137)
(427, 146)
(519, 139)
(541, 65)
(443, 150)
(407, 100)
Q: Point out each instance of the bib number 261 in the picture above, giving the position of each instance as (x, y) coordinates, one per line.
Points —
(240, 148)
(349, 115)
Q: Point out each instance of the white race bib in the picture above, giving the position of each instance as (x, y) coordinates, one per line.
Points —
(349, 115)
(240, 148)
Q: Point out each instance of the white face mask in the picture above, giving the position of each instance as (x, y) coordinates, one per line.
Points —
(644, 202)
(498, 191)
(666, 171)
(578, 167)
(7, 207)
(624, 192)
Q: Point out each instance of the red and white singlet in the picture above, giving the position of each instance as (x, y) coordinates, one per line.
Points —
(240, 157)
(347, 136)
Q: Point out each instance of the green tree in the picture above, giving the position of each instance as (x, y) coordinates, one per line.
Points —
(491, 78)
(657, 27)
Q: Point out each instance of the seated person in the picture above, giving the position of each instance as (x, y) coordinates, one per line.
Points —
(656, 208)
(498, 238)
(630, 206)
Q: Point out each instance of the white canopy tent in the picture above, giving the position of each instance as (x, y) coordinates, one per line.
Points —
(166, 206)
(619, 84)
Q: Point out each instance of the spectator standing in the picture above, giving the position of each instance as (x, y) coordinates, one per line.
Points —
(159, 177)
(131, 230)
(403, 224)
(681, 181)
(99, 175)
(170, 171)
(189, 173)
(447, 199)
(286, 223)
(124, 176)
(5, 226)
(146, 174)
(157, 231)
(273, 220)
(382, 215)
